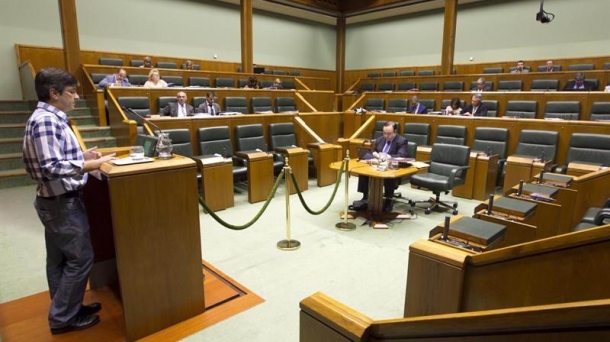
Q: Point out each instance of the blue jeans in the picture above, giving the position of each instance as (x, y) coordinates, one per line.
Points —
(69, 255)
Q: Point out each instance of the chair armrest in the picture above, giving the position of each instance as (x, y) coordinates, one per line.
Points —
(239, 161)
(601, 216)
(454, 173)
(562, 169)
(606, 204)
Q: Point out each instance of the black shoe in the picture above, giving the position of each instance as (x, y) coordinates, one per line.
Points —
(90, 309)
(388, 206)
(80, 323)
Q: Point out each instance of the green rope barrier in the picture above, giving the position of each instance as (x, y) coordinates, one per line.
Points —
(332, 197)
(258, 215)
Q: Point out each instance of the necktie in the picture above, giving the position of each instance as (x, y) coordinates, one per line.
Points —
(417, 108)
(386, 148)
(211, 109)
(182, 112)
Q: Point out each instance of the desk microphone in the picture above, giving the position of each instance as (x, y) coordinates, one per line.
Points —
(520, 190)
(131, 111)
(490, 205)
(446, 228)
(542, 157)
(541, 177)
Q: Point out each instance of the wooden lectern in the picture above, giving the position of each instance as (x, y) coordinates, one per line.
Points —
(324, 154)
(260, 174)
(299, 163)
(144, 218)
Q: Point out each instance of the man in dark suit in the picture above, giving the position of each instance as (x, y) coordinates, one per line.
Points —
(477, 107)
(416, 107)
(179, 108)
(392, 144)
(579, 84)
(480, 86)
(209, 106)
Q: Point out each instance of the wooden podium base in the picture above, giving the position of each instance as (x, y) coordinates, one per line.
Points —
(25, 319)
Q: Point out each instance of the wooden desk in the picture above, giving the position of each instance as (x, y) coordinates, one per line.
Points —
(260, 174)
(323, 155)
(217, 183)
(522, 168)
(518, 230)
(299, 163)
(579, 169)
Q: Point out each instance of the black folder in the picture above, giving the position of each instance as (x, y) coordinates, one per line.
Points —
(514, 207)
(477, 231)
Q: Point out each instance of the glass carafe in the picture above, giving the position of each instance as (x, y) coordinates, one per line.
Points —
(164, 146)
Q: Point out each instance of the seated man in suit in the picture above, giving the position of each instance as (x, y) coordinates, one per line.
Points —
(520, 69)
(209, 106)
(179, 108)
(416, 107)
(579, 84)
(480, 86)
(392, 144)
(549, 66)
(477, 107)
(116, 80)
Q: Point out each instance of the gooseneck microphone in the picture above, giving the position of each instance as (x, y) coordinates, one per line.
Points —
(446, 228)
(131, 111)
(490, 206)
(520, 190)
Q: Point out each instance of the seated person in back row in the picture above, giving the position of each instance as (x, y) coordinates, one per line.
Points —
(480, 86)
(154, 80)
(147, 63)
(454, 108)
(579, 84)
(277, 84)
(394, 145)
(477, 108)
(416, 107)
(178, 109)
(252, 83)
(520, 69)
(209, 106)
(187, 65)
(116, 80)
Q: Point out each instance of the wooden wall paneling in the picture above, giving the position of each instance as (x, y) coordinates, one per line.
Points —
(323, 101)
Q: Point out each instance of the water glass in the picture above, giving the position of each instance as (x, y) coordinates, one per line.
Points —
(136, 152)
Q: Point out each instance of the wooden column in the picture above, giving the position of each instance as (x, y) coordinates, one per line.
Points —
(246, 36)
(340, 64)
(69, 34)
(449, 37)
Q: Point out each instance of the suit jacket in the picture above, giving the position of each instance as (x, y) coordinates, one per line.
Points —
(172, 109)
(398, 147)
(587, 86)
(421, 110)
(111, 80)
(485, 88)
(205, 108)
(481, 110)
(523, 71)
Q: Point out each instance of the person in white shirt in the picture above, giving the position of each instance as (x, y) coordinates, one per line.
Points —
(179, 108)
(154, 80)
(480, 86)
(454, 108)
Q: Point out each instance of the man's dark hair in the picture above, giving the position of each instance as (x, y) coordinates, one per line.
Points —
(392, 124)
(210, 94)
(52, 78)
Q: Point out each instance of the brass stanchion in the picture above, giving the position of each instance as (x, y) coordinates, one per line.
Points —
(346, 225)
(288, 244)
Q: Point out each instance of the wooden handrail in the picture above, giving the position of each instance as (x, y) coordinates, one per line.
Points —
(305, 102)
(27, 76)
(308, 129)
(297, 80)
(364, 126)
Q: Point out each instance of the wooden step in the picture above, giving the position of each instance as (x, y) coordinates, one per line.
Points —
(10, 161)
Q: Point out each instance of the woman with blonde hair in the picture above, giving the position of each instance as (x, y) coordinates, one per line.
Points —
(154, 80)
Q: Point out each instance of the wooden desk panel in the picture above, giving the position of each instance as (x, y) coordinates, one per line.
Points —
(323, 155)
(217, 185)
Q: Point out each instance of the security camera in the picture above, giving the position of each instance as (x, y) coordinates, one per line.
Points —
(542, 16)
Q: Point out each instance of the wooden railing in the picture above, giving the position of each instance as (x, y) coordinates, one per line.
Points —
(27, 75)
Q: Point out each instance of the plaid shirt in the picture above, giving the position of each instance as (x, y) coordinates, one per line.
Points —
(51, 153)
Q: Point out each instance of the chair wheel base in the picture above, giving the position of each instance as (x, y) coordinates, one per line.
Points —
(427, 211)
(455, 212)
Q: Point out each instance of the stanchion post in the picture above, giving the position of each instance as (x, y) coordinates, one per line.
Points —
(288, 244)
(346, 225)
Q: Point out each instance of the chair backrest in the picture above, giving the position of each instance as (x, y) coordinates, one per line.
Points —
(261, 104)
(600, 111)
(163, 101)
(282, 135)
(265, 83)
(149, 143)
(425, 73)
(378, 132)
(374, 74)
(446, 102)
(566, 110)
(497, 70)
(181, 141)
(411, 149)
(589, 148)
(488, 84)
(285, 104)
(534, 143)
(582, 66)
(453, 86)
(176, 81)
(404, 86)
(430, 104)
(111, 61)
(197, 100)
(97, 78)
(215, 140)
(367, 87)
(428, 86)
(389, 74)
(544, 85)
(138, 79)
(236, 104)
(136, 62)
(492, 107)
(418, 133)
(397, 105)
(279, 72)
(542, 68)
(167, 65)
(521, 109)
(294, 73)
(225, 82)
(138, 104)
(196, 67)
(606, 66)
(510, 85)
(511, 69)
(407, 73)
(491, 139)
(242, 82)
(450, 134)
(444, 158)
(199, 81)
(250, 137)
(375, 104)
(288, 84)
(385, 87)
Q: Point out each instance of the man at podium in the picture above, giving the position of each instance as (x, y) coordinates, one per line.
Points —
(53, 157)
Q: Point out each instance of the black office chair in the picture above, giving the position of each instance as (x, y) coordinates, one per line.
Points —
(389, 74)
(542, 68)
(97, 78)
(492, 107)
(544, 85)
(407, 73)
(428, 86)
(139, 104)
(601, 218)
(136, 62)
(261, 104)
(397, 105)
(236, 104)
(600, 111)
(164, 101)
(375, 104)
(252, 138)
(418, 133)
(565, 110)
(453, 86)
(373, 74)
(581, 67)
(521, 109)
(425, 73)
(450, 134)
(406, 86)
(138, 80)
(385, 87)
(285, 104)
(534, 144)
(448, 169)
(494, 70)
(217, 141)
(199, 81)
(225, 82)
(510, 85)
(283, 135)
(174, 81)
(588, 149)
(367, 87)
(167, 65)
(492, 141)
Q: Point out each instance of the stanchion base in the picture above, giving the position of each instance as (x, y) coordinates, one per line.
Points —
(345, 226)
(288, 245)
